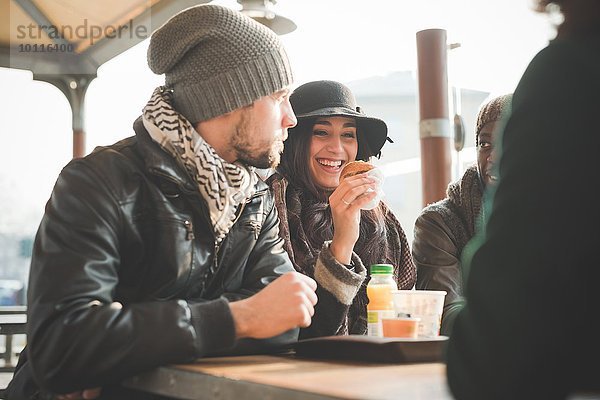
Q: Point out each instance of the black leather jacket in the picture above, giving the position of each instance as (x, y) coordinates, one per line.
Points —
(126, 273)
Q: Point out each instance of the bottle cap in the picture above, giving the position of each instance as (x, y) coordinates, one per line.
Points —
(382, 269)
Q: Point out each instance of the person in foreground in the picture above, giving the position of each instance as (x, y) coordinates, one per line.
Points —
(444, 228)
(164, 247)
(326, 234)
(529, 329)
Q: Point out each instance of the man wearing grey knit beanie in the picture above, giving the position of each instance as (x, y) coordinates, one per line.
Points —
(164, 247)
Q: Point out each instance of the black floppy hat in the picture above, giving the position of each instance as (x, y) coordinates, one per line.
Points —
(333, 99)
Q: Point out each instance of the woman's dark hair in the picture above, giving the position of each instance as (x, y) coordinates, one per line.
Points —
(294, 159)
(316, 215)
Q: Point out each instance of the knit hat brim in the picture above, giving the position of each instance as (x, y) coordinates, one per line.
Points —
(233, 89)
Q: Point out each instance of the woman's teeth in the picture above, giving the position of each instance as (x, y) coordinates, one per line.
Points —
(329, 163)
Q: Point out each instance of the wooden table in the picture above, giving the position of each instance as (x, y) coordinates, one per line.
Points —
(287, 377)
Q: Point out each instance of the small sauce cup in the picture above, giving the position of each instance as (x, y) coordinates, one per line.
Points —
(400, 327)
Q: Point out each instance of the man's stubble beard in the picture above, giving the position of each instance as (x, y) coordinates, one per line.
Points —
(248, 153)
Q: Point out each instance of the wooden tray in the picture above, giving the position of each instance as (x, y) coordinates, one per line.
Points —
(373, 349)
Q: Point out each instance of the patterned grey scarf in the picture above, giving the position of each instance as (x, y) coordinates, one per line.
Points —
(223, 185)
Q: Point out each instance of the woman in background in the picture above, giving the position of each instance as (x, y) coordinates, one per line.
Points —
(444, 228)
(326, 234)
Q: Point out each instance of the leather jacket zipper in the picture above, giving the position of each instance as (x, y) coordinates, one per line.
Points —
(255, 228)
(215, 258)
(237, 217)
(218, 242)
(255, 225)
(189, 227)
(243, 205)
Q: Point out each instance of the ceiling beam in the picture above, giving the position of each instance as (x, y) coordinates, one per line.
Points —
(152, 18)
(41, 20)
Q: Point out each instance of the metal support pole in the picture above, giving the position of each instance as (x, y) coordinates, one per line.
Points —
(434, 126)
(74, 88)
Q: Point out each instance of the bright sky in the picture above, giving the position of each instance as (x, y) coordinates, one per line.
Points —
(342, 40)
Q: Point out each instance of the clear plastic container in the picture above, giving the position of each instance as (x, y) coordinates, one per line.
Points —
(381, 301)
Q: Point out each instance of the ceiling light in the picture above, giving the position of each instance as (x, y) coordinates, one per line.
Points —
(262, 11)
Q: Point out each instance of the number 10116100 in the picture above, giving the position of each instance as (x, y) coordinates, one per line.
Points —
(46, 48)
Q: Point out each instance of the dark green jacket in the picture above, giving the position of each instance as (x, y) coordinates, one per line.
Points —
(530, 329)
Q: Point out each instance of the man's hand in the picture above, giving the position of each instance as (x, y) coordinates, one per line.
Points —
(286, 303)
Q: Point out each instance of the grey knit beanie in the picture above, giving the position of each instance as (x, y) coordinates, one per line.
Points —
(492, 111)
(217, 60)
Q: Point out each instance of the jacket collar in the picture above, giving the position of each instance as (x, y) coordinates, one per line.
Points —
(157, 161)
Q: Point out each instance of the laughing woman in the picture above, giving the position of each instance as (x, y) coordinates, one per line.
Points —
(327, 235)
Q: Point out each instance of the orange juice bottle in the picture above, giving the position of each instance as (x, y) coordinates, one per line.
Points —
(379, 292)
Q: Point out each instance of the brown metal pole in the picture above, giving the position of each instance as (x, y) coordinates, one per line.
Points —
(434, 125)
(78, 143)
(74, 88)
(77, 87)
